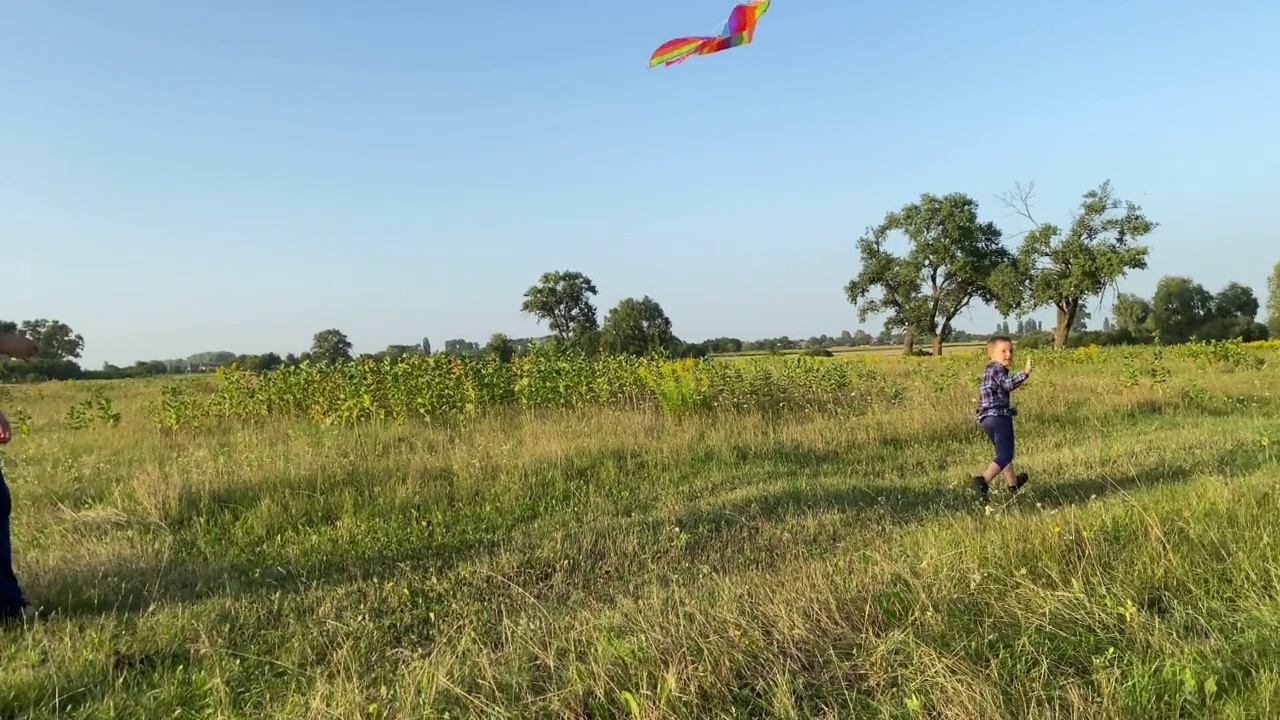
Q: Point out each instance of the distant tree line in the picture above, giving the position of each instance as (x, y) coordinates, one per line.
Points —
(951, 260)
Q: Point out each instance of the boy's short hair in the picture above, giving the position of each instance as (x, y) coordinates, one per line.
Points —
(992, 341)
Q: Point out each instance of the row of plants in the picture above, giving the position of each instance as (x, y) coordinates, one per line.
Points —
(446, 389)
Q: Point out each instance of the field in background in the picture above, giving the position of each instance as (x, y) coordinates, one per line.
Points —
(964, 347)
(786, 537)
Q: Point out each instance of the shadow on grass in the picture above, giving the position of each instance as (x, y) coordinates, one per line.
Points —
(242, 541)
(925, 448)
(56, 690)
(900, 504)
(284, 537)
(1232, 460)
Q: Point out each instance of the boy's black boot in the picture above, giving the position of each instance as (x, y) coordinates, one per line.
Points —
(11, 614)
(1021, 479)
(980, 488)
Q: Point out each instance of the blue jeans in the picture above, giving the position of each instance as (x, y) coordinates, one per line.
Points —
(1000, 429)
(10, 594)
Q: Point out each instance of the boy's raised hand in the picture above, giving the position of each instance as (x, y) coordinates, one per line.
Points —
(6, 432)
(1028, 368)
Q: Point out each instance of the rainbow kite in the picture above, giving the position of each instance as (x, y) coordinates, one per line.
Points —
(738, 30)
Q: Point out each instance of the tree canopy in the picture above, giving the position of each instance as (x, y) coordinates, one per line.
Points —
(952, 258)
(638, 327)
(1182, 310)
(1064, 270)
(562, 299)
(330, 345)
(1132, 313)
(56, 339)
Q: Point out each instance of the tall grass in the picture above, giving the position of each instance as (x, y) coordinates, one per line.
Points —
(563, 537)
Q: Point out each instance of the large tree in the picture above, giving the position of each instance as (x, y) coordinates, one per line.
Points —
(1132, 313)
(56, 339)
(461, 346)
(638, 327)
(1273, 301)
(395, 352)
(500, 346)
(1236, 301)
(1180, 308)
(1234, 315)
(899, 285)
(1183, 310)
(952, 258)
(330, 345)
(562, 299)
(1067, 269)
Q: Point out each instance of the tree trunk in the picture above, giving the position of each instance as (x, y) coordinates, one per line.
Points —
(937, 345)
(908, 341)
(1066, 318)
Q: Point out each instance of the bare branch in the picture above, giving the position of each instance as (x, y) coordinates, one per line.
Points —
(1018, 201)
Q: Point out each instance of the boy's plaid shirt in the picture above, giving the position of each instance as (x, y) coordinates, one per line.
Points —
(993, 393)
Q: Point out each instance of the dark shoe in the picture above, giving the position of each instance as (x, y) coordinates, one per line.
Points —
(1022, 480)
(980, 488)
(11, 615)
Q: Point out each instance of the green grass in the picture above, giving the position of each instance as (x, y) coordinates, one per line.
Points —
(617, 563)
(958, 347)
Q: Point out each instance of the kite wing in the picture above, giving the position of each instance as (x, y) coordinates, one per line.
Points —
(674, 51)
(739, 29)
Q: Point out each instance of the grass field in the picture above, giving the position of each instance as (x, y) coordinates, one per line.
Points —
(776, 538)
(958, 347)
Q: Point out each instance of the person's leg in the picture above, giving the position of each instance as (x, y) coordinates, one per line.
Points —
(11, 600)
(1000, 430)
(1005, 448)
(1004, 440)
(981, 483)
(1014, 481)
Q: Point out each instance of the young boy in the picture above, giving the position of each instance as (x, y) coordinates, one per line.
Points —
(11, 600)
(995, 415)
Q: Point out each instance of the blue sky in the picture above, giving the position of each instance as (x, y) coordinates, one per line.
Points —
(186, 176)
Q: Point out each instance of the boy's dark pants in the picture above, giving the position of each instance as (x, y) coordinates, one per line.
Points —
(11, 599)
(1000, 429)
